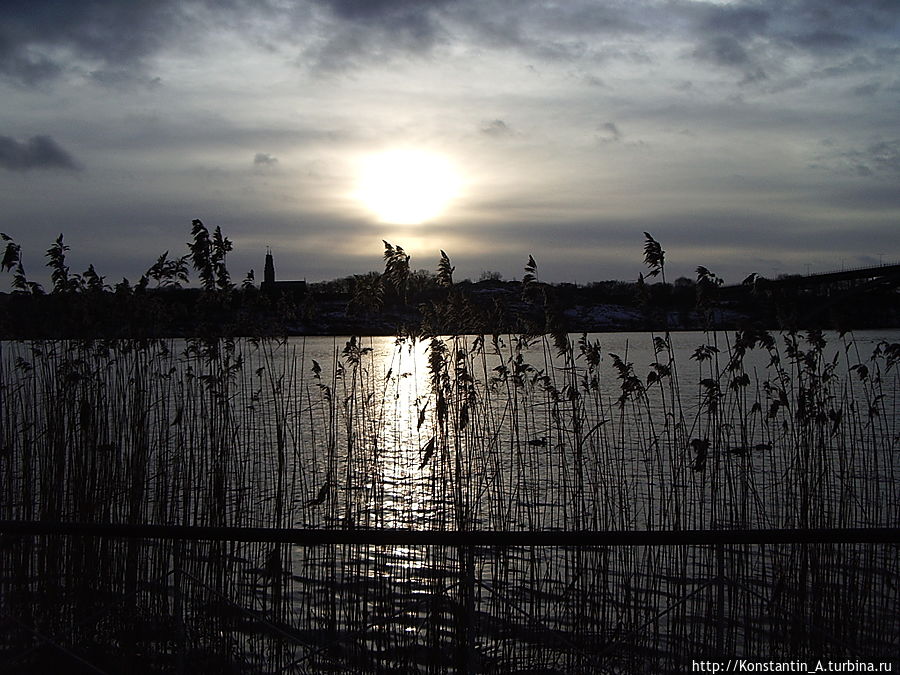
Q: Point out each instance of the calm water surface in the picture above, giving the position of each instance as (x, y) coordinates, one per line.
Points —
(507, 435)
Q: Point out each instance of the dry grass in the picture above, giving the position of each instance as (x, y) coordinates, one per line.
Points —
(537, 432)
(504, 434)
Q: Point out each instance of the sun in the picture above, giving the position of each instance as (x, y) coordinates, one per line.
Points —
(406, 187)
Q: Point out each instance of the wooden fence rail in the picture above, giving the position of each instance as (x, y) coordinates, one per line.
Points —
(378, 537)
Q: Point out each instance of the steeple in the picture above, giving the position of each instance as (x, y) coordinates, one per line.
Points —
(269, 271)
(284, 289)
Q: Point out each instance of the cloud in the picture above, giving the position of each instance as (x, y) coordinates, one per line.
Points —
(868, 89)
(609, 133)
(38, 152)
(264, 159)
(761, 40)
(38, 38)
(27, 69)
(358, 33)
(113, 41)
(824, 40)
(885, 156)
(402, 14)
(551, 32)
(880, 158)
(735, 20)
(351, 33)
(110, 40)
(118, 78)
(729, 36)
(592, 19)
(532, 98)
(723, 51)
(497, 129)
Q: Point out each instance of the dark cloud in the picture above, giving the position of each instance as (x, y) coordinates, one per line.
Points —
(609, 133)
(264, 159)
(828, 16)
(116, 78)
(880, 158)
(497, 129)
(110, 40)
(877, 197)
(752, 37)
(735, 20)
(824, 40)
(885, 156)
(592, 18)
(858, 64)
(38, 37)
(729, 35)
(723, 51)
(401, 13)
(42, 38)
(570, 31)
(153, 145)
(157, 132)
(357, 31)
(759, 39)
(38, 152)
(869, 89)
(27, 69)
(825, 28)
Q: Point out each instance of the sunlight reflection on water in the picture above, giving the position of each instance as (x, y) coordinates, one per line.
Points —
(516, 466)
(374, 433)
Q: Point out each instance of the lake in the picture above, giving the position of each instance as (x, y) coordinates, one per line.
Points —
(620, 432)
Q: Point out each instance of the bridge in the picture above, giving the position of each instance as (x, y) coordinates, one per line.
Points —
(810, 297)
(874, 274)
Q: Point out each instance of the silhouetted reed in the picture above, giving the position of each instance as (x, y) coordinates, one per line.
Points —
(440, 431)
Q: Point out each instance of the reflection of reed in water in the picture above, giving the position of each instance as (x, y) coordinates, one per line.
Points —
(249, 433)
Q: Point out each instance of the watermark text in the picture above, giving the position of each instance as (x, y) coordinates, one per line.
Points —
(821, 666)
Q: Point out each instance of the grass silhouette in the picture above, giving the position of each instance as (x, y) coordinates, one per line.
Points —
(438, 430)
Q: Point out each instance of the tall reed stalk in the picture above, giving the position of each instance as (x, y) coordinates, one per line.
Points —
(532, 432)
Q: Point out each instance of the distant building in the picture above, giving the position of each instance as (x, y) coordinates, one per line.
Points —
(269, 272)
(270, 285)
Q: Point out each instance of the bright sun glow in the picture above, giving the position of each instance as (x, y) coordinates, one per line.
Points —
(406, 187)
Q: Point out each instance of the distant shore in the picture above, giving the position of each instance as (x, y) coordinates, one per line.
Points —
(473, 308)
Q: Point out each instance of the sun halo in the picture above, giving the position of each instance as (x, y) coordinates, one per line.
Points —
(406, 187)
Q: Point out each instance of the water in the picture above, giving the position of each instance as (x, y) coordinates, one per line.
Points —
(535, 457)
(504, 436)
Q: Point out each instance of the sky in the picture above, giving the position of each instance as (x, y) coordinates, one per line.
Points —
(746, 136)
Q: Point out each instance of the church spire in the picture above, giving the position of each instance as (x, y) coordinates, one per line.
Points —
(269, 271)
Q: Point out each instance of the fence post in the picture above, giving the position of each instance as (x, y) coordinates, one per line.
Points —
(466, 616)
(178, 597)
(720, 600)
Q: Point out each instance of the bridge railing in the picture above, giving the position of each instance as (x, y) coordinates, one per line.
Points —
(862, 268)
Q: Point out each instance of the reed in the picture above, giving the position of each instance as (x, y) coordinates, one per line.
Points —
(532, 432)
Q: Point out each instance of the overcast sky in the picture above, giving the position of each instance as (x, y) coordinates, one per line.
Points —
(746, 136)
